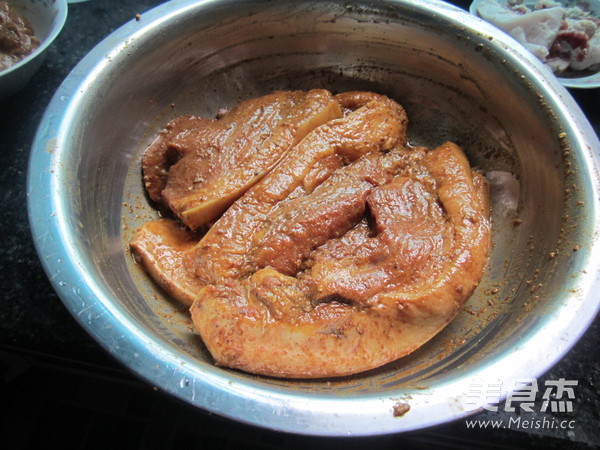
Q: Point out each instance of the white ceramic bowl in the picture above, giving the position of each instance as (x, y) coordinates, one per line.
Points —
(573, 81)
(47, 18)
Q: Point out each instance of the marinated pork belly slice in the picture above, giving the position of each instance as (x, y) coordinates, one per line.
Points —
(224, 251)
(355, 100)
(294, 228)
(222, 158)
(407, 242)
(351, 251)
(271, 323)
(163, 153)
(413, 240)
(159, 246)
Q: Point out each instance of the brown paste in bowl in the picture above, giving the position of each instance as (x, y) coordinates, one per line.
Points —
(17, 39)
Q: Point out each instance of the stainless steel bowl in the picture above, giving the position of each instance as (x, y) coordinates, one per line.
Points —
(459, 78)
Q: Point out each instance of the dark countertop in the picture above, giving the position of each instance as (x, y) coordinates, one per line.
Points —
(58, 387)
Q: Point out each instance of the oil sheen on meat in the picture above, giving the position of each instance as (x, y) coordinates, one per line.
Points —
(309, 239)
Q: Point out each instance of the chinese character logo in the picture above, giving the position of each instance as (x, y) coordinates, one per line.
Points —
(558, 395)
(554, 395)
